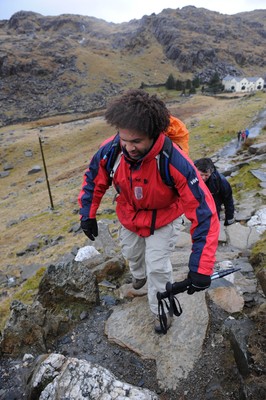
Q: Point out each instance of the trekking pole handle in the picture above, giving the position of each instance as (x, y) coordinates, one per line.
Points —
(174, 288)
(180, 287)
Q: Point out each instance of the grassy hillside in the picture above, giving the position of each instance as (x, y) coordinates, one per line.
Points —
(71, 63)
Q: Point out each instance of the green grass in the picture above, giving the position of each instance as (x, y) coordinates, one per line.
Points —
(236, 115)
(245, 181)
(25, 294)
(258, 253)
(30, 287)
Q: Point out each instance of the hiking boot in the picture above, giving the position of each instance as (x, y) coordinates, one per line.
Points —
(157, 325)
(138, 283)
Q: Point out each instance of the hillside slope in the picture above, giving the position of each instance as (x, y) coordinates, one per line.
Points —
(73, 64)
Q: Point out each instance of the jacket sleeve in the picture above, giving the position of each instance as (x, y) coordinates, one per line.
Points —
(227, 197)
(199, 207)
(96, 181)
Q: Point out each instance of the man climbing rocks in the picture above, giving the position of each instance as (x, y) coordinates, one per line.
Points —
(147, 208)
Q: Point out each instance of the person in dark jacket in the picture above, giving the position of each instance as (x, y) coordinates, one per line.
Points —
(219, 187)
(147, 208)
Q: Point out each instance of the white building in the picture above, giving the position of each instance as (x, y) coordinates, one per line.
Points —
(240, 84)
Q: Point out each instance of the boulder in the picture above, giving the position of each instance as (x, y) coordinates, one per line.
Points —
(259, 148)
(54, 375)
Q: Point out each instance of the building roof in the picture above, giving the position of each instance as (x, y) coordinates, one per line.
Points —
(232, 78)
(254, 78)
(239, 78)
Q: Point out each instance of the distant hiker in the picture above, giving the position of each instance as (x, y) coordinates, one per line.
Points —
(147, 207)
(243, 136)
(239, 136)
(247, 133)
(219, 187)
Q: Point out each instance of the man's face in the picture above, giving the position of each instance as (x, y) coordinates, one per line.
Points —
(205, 175)
(136, 143)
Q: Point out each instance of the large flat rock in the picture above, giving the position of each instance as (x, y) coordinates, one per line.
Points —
(131, 326)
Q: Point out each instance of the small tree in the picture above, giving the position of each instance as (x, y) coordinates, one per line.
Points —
(170, 83)
(196, 82)
(215, 83)
(215, 80)
(188, 84)
(179, 85)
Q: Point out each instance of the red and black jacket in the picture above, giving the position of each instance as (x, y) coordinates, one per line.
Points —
(141, 191)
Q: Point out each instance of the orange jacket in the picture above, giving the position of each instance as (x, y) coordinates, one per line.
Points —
(178, 133)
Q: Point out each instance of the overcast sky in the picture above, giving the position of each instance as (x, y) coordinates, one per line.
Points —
(121, 10)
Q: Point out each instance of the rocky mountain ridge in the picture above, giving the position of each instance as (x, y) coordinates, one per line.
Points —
(73, 64)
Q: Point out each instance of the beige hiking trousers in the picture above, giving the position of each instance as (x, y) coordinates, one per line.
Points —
(150, 256)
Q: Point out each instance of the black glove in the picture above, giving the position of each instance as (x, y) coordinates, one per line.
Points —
(229, 221)
(90, 228)
(198, 282)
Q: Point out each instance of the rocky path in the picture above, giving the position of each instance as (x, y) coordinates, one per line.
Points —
(193, 361)
(214, 350)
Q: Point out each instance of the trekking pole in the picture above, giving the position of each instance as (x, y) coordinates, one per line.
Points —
(180, 287)
(174, 307)
(224, 272)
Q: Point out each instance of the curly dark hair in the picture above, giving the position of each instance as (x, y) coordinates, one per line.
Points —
(204, 165)
(139, 111)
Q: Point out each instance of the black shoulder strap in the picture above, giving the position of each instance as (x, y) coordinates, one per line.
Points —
(164, 159)
(165, 156)
(112, 154)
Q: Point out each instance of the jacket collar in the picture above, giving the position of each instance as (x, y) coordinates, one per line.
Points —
(153, 152)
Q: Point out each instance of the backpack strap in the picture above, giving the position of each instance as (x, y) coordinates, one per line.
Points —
(113, 155)
(116, 164)
(163, 162)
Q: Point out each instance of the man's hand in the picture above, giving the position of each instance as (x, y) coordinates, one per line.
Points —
(198, 282)
(90, 228)
(229, 221)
